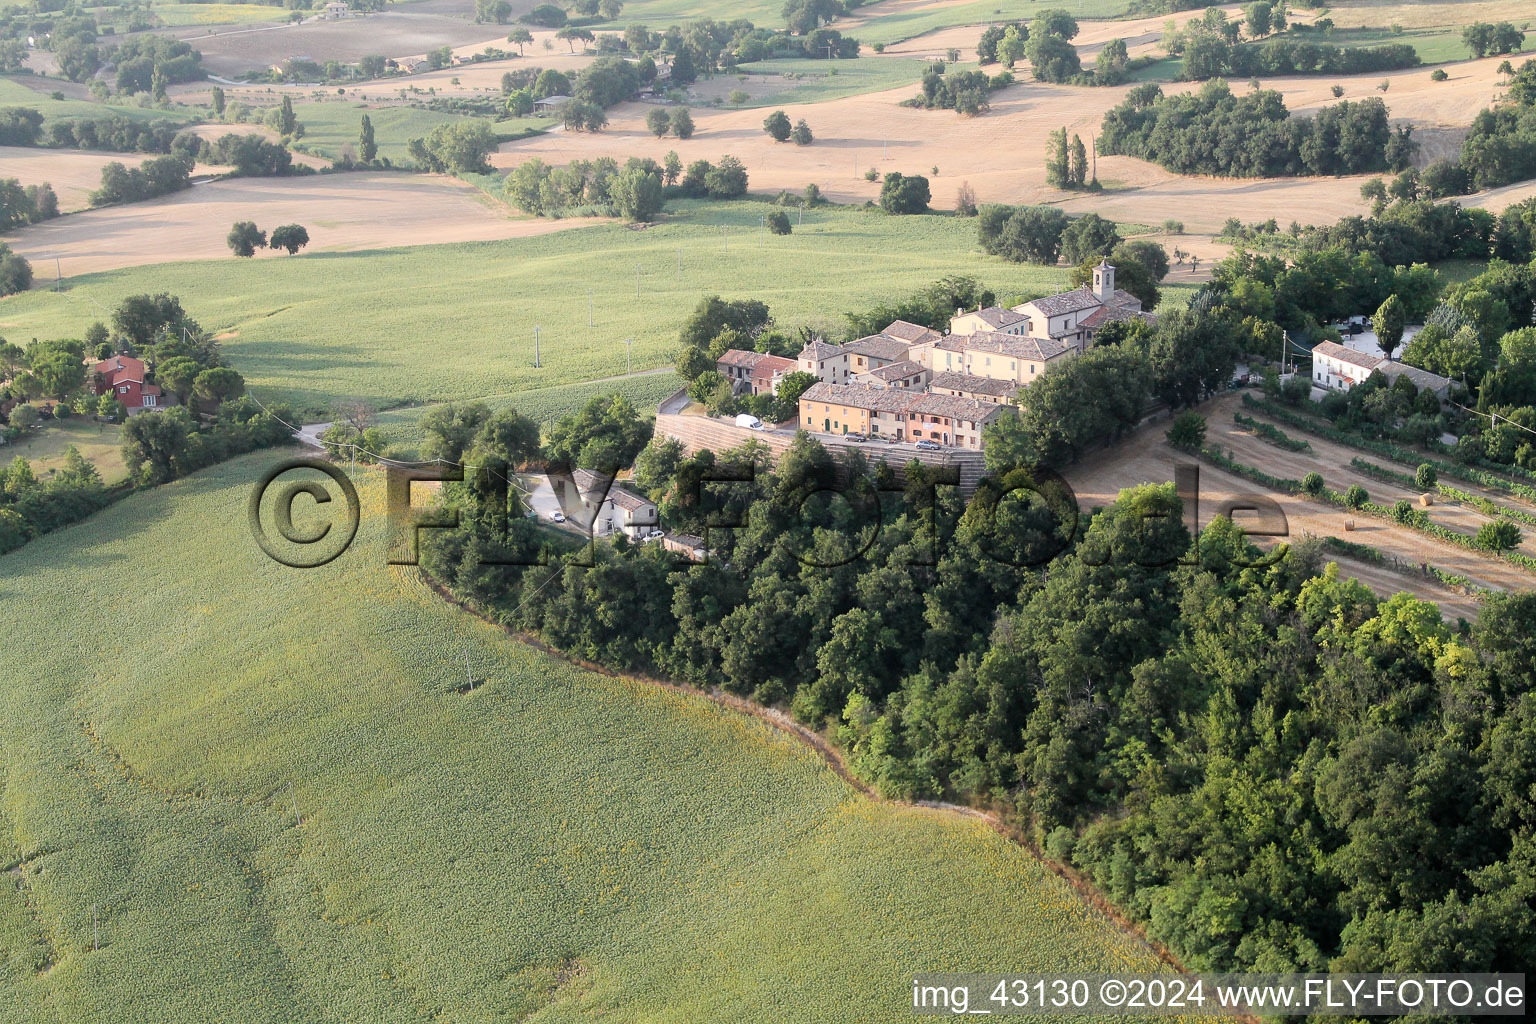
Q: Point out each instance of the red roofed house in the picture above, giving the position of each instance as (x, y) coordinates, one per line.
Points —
(756, 372)
(123, 376)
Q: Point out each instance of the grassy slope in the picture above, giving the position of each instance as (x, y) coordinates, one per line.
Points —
(402, 427)
(13, 94)
(456, 321)
(456, 851)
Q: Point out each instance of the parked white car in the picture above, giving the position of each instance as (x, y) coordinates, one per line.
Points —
(557, 516)
(655, 535)
(749, 421)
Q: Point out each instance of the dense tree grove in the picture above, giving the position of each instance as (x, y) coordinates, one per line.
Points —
(455, 147)
(1130, 708)
(1213, 131)
(965, 92)
(141, 60)
(24, 126)
(1210, 47)
(636, 191)
(159, 176)
(31, 204)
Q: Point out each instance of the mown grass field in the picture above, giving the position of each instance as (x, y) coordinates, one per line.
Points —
(260, 790)
(100, 443)
(435, 323)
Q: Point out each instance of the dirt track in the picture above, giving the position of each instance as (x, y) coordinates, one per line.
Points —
(1146, 457)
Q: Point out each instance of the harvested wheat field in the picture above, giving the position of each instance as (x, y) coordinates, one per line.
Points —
(343, 212)
(1003, 149)
(73, 173)
(398, 32)
(1146, 457)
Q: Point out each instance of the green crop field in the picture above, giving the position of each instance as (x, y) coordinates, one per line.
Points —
(331, 124)
(881, 28)
(238, 792)
(13, 94)
(402, 427)
(177, 14)
(830, 80)
(435, 323)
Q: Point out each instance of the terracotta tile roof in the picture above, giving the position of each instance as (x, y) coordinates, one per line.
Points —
(120, 368)
(1348, 355)
(956, 408)
(1107, 314)
(1064, 302)
(881, 346)
(819, 350)
(902, 402)
(768, 366)
(1013, 345)
(591, 486)
(913, 334)
(859, 396)
(996, 316)
(895, 371)
(740, 357)
(971, 383)
(1392, 369)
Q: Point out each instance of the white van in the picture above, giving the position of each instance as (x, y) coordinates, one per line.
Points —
(749, 421)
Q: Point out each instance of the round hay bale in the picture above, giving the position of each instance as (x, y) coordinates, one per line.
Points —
(1426, 500)
(1349, 525)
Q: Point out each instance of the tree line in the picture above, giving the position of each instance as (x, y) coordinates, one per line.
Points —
(1127, 709)
(637, 191)
(1213, 131)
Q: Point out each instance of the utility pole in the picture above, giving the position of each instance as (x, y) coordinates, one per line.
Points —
(296, 819)
(469, 680)
(629, 355)
(58, 275)
(535, 348)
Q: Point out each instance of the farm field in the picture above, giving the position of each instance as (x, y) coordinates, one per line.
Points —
(73, 173)
(403, 30)
(1000, 148)
(343, 212)
(445, 322)
(332, 125)
(545, 406)
(294, 814)
(1146, 457)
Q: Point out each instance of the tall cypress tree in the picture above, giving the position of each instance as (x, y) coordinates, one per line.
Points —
(1077, 174)
(367, 148)
(1056, 167)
